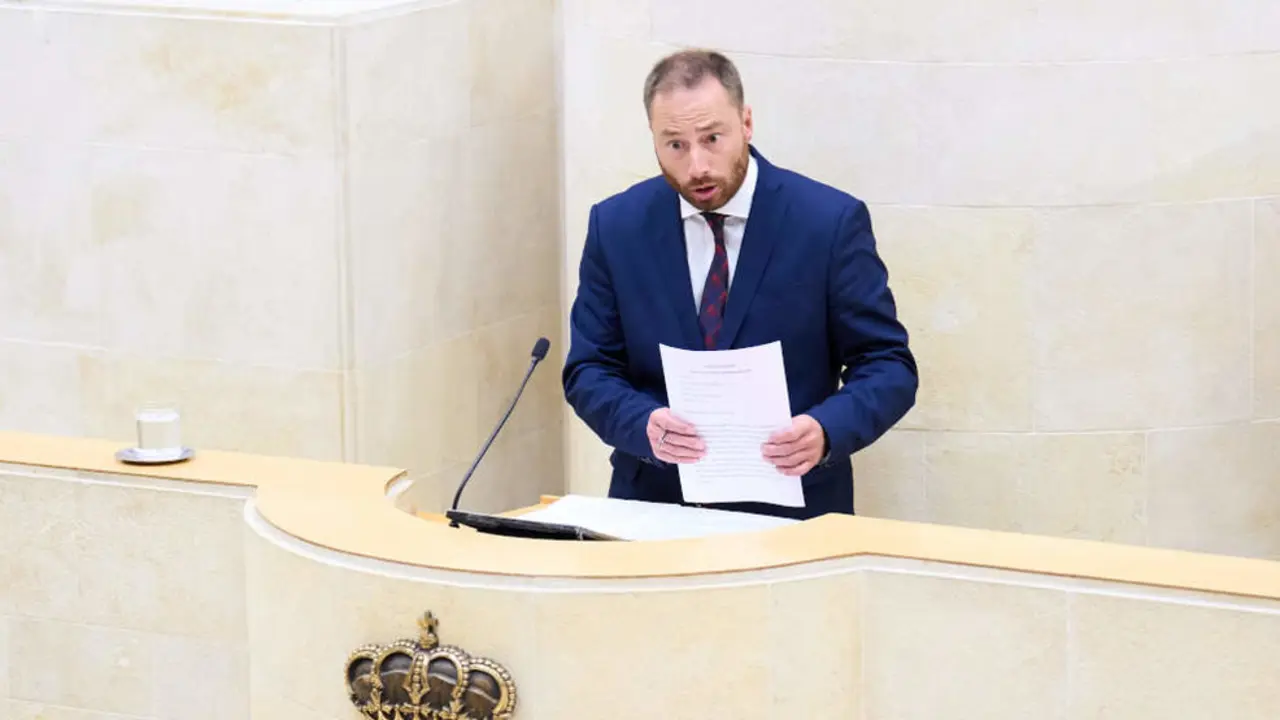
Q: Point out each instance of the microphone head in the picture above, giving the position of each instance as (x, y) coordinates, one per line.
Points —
(540, 348)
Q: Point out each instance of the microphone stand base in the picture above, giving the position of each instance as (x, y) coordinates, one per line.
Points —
(519, 528)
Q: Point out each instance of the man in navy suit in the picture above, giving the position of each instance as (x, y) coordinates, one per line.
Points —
(726, 250)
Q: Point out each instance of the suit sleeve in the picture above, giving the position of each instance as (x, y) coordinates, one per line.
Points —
(594, 377)
(879, 371)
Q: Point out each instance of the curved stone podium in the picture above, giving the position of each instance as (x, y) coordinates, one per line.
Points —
(237, 586)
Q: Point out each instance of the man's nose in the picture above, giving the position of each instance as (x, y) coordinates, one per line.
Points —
(699, 163)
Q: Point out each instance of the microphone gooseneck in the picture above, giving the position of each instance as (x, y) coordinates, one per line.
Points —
(540, 349)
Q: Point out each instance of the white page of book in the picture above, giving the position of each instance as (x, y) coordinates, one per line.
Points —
(638, 520)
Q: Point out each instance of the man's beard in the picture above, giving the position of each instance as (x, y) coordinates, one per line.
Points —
(728, 186)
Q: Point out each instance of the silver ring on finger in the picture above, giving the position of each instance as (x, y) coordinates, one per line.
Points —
(662, 439)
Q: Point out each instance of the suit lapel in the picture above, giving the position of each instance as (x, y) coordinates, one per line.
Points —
(764, 227)
(673, 266)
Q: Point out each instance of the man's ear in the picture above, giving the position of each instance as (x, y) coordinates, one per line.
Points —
(747, 125)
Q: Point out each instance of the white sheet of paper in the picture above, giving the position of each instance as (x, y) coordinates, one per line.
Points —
(638, 520)
(736, 399)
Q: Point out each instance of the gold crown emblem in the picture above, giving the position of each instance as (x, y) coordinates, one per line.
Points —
(424, 680)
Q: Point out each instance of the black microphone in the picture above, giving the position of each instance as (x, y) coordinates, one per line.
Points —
(540, 349)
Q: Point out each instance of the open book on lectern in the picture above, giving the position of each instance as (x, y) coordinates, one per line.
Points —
(583, 517)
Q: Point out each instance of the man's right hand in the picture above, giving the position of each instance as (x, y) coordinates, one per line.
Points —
(673, 440)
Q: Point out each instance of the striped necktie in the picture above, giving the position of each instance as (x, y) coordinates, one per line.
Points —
(715, 291)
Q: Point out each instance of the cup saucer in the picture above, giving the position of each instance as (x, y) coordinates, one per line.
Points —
(140, 456)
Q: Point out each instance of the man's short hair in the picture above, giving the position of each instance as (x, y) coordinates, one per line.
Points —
(687, 69)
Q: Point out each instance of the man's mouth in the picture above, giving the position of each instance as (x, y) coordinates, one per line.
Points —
(704, 192)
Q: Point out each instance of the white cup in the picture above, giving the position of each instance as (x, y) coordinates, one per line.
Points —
(159, 427)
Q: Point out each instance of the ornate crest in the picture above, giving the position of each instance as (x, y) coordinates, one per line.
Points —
(424, 680)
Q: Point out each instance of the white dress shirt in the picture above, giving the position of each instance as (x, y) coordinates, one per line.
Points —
(700, 243)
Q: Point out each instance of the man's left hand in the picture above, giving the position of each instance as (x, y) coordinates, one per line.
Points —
(797, 449)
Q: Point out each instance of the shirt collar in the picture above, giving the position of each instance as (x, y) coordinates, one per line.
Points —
(739, 206)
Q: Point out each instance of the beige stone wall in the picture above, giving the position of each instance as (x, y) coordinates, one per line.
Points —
(454, 220)
(169, 212)
(120, 598)
(944, 642)
(1078, 208)
(325, 230)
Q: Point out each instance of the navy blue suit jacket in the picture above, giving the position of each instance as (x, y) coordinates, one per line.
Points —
(808, 275)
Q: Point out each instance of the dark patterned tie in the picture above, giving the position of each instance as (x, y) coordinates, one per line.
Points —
(715, 292)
